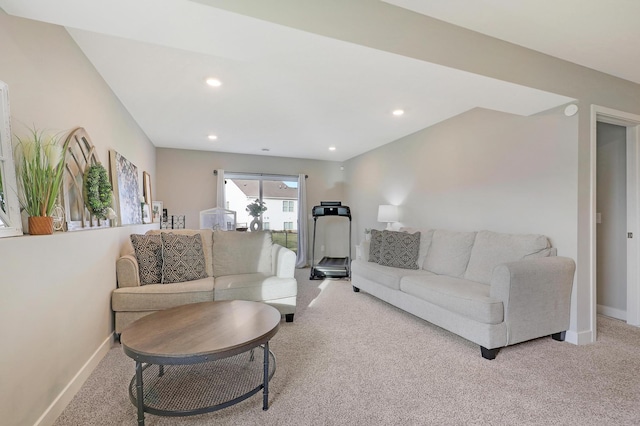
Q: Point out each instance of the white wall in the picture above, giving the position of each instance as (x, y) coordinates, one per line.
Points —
(612, 231)
(55, 315)
(480, 170)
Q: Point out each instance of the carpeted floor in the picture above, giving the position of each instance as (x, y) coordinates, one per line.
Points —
(350, 359)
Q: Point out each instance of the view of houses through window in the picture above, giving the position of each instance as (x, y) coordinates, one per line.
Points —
(280, 197)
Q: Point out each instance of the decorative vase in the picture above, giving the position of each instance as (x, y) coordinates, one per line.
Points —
(40, 225)
(256, 225)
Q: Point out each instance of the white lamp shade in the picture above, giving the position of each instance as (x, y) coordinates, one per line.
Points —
(388, 213)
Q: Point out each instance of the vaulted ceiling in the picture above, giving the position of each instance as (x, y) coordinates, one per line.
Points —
(290, 93)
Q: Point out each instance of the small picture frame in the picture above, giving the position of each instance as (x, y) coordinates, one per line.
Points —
(146, 213)
(156, 211)
(146, 188)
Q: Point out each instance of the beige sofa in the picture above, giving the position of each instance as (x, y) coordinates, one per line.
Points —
(490, 288)
(232, 265)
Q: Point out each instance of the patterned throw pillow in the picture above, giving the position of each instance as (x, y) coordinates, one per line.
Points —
(148, 250)
(183, 258)
(400, 249)
(375, 246)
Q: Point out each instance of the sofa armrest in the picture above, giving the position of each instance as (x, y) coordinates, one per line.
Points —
(127, 271)
(536, 294)
(363, 252)
(284, 261)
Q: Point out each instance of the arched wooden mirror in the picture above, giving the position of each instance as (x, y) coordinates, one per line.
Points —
(10, 222)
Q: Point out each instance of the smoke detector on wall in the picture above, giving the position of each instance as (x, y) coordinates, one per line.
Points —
(571, 110)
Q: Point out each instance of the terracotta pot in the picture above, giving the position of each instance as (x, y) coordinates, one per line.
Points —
(40, 225)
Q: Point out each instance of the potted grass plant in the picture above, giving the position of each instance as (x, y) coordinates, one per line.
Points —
(40, 166)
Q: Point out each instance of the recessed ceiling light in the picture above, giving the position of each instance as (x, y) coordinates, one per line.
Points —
(332, 148)
(212, 137)
(214, 82)
(398, 112)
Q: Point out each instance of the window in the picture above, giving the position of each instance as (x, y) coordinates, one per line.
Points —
(279, 193)
(287, 206)
(10, 222)
(280, 196)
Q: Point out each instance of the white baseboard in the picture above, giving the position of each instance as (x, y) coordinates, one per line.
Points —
(579, 338)
(612, 312)
(58, 405)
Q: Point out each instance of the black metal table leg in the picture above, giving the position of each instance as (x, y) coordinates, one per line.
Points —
(265, 390)
(140, 393)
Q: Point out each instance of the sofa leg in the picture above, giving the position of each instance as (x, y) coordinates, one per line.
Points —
(559, 336)
(489, 353)
(355, 289)
(288, 317)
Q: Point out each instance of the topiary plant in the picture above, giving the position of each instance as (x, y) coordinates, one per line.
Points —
(256, 208)
(97, 190)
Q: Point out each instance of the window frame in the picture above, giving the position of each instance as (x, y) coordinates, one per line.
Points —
(11, 218)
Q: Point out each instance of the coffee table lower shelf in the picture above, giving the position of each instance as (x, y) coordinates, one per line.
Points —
(184, 390)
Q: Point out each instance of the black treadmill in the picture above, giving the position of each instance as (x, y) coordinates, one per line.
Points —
(330, 267)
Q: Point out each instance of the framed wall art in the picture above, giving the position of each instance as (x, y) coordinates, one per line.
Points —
(81, 154)
(124, 176)
(146, 188)
(146, 213)
(156, 211)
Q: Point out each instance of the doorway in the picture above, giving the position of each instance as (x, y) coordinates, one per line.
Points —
(611, 221)
(630, 131)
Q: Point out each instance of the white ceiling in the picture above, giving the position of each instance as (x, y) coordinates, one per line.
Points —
(602, 35)
(285, 90)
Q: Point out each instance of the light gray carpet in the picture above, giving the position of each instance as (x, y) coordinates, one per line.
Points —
(350, 359)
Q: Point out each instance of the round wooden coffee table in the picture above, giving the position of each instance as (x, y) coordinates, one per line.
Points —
(200, 357)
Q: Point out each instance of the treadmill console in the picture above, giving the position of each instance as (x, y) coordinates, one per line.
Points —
(331, 210)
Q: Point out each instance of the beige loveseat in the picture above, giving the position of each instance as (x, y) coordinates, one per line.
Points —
(491, 288)
(230, 265)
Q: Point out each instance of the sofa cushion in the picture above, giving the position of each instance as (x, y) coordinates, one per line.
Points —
(241, 253)
(449, 252)
(207, 242)
(425, 242)
(399, 249)
(254, 287)
(182, 258)
(467, 298)
(384, 275)
(375, 246)
(148, 252)
(490, 249)
(154, 297)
